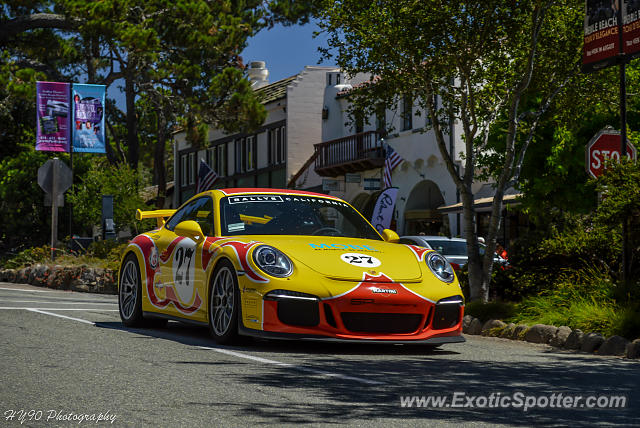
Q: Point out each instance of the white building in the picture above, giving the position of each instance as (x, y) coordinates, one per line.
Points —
(350, 161)
(269, 156)
(308, 142)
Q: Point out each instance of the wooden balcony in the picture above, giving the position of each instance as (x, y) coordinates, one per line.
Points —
(354, 153)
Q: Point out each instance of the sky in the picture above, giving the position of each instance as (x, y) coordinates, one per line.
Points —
(286, 50)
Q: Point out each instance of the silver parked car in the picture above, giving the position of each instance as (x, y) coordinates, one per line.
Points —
(453, 249)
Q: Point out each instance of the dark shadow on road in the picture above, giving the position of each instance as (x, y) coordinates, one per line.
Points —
(413, 370)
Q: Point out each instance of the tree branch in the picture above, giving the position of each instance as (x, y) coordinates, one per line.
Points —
(21, 24)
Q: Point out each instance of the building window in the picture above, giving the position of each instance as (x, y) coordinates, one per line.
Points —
(221, 160)
(245, 154)
(238, 156)
(328, 79)
(217, 159)
(192, 168)
(338, 79)
(184, 169)
(250, 143)
(407, 112)
(277, 146)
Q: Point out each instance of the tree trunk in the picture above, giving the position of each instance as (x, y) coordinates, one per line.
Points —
(159, 172)
(132, 122)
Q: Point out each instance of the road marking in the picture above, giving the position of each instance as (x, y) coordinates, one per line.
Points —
(59, 303)
(31, 291)
(76, 297)
(293, 366)
(222, 351)
(61, 316)
(60, 309)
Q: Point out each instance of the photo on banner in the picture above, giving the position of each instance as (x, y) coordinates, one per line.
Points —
(53, 126)
(88, 118)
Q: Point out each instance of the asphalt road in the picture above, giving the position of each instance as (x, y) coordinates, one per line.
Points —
(66, 356)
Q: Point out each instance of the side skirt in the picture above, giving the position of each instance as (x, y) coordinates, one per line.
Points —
(172, 318)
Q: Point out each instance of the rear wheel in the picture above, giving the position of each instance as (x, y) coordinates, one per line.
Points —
(224, 303)
(130, 292)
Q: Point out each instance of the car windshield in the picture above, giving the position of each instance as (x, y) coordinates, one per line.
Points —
(273, 214)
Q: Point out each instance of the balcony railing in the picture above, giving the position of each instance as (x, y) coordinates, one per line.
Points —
(354, 153)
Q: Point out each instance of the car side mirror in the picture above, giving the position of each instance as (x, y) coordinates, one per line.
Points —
(390, 236)
(190, 229)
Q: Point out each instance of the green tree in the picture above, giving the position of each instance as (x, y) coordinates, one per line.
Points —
(471, 61)
(121, 181)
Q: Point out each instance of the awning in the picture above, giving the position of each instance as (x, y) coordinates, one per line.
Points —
(482, 204)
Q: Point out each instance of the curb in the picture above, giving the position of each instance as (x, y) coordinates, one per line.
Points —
(559, 337)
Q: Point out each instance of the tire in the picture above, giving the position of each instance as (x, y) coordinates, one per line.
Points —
(224, 303)
(130, 292)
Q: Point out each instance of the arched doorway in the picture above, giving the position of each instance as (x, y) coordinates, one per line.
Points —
(365, 202)
(421, 214)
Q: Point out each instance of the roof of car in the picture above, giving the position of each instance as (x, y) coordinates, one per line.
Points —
(266, 191)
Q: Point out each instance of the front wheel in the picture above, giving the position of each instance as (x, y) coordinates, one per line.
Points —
(130, 292)
(224, 303)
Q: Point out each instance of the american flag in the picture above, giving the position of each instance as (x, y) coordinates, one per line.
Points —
(391, 161)
(206, 177)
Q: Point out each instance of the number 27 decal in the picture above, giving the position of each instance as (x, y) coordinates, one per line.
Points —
(357, 259)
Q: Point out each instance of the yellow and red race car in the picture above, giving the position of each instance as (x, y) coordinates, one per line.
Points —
(286, 264)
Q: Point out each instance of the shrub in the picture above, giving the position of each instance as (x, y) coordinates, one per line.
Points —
(490, 310)
(103, 179)
(29, 257)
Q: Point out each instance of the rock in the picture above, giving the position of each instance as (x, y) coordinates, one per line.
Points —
(518, 331)
(574, 340)
(491, 326)
(560, 338)
(507, 332)
(540, 333)
(614, 345)
(475, 327)
(591, 342)
(10, 275)
(466, 322)
(22, 276)
(633, 349)
(38, 275)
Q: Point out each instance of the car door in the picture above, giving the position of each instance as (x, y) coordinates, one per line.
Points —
(181, 261)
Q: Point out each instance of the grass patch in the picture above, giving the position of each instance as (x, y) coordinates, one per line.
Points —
(605, 316)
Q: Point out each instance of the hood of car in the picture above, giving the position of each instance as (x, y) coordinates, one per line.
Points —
(349, 258)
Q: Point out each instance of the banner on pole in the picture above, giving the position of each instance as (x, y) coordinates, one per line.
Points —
(88, 118)
(631, 28)
(383, 210)
(52, 109)
(601, 37)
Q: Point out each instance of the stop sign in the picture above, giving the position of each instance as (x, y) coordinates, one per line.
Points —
(603, 146)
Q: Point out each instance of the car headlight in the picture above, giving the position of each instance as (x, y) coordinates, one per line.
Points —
(272, 261)
(440, 267)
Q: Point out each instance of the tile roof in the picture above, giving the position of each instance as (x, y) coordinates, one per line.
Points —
(274, 91)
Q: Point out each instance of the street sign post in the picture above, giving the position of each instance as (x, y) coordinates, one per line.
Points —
(605, 145)
(54, 177)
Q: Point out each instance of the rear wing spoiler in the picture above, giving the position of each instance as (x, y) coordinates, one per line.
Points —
(159, 215)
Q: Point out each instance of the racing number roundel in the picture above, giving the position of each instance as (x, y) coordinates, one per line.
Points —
(183, 266)
(360, 260)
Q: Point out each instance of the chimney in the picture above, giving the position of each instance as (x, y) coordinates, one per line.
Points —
(258, 74)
